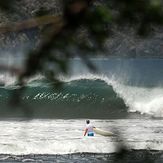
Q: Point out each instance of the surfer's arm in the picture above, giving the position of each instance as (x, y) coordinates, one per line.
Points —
(85, 131)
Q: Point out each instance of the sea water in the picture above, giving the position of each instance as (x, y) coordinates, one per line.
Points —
(66, 136)
(124, 96)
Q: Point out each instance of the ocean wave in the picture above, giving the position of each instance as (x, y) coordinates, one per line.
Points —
(94, 90)
(145, 100)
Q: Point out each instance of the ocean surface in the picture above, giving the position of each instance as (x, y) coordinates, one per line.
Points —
(62, 140)
(124, 96)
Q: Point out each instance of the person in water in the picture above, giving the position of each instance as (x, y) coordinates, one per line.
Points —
(89, 129)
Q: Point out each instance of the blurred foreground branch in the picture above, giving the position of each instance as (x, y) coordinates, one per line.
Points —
(30, 23)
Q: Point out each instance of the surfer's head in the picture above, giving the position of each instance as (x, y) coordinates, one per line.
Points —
(87, 121)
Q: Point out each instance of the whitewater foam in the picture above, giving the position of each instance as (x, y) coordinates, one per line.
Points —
(66, 136)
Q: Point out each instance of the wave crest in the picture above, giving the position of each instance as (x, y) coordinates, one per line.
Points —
(145, 100)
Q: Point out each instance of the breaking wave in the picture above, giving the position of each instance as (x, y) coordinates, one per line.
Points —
(96, 96)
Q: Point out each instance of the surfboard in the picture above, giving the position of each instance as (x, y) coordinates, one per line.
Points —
(103, 132)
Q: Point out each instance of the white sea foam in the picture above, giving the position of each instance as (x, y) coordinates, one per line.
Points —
(48, 137)
(66, 136)
(9, 81)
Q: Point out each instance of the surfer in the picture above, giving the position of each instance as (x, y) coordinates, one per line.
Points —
(89, 129)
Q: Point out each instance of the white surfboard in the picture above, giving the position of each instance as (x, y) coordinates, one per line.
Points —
(103, 132)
